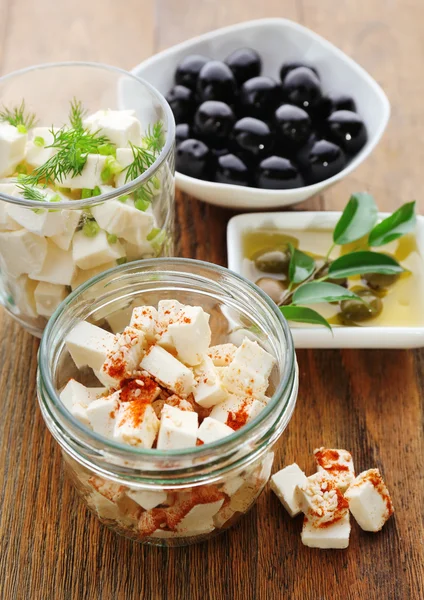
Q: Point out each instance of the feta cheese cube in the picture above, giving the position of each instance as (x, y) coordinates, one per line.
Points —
(37, 151)
(251, 356)
(120, 126)
(284, 484)
(337, 463)
(42, 222)
(76, 393)
(212, 430)
(136, 424)
(89, 345)
(243, 381)
(369, 500)
(58, 267)
(178, 429)
(91, 252)
(209, 389)
(103, 507)
(232, 485)
(124, 220)
(70, 220)
(21, 295)
(168, 311)
(222, 354)
(145, 319)
(81, 276)
(90, 176)
(6, 221)
(22, 251)
(200, 518)
(12, 148)
(191, 334)
(147, 499)
(320, 500)
(101, 414)
(124, 357)
(236, 411)
(168, 370)
(334, 536)
(48, 296)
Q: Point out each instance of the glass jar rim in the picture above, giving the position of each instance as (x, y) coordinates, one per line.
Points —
(132, 185)
(153, 453)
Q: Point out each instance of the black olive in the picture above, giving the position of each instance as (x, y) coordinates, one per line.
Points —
(182, 132)
(378, 281)
(245, 63)
(193, 158)
(353, 311)
(347, 129)
(252, 137)
(273, 287)
(331, 103)
(290, 66)
(181, 101)
(213, 121)
(321, 161)
(259, 97)
(272, 261)
(293, 126)
(231, 169)
(216, 82)
(302, 87)
(188, 70)
(277, 173)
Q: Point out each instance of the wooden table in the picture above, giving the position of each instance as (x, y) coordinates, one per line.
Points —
(367, 401)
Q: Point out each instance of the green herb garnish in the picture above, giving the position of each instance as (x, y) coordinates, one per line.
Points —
(19, 117)
(77, 114)
(155, 137)
(31, 193)
(112, 238)
(143, 160)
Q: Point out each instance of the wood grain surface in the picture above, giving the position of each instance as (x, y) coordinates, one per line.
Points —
(370, 402)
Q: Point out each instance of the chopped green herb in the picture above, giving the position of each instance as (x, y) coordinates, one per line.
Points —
(18, 116)
(77, 114)
(143, 160)
(155, 137)
(123, 198)
(31, 193)
(90, 228)
(112, 238)
(86, 193)
(111, 168)
(22, 169)
(107, 150)
(39, 141)
(96, 191)
(153, 233)
(121, 261)
(21, 128)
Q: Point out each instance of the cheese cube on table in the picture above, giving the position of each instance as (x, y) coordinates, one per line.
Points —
(212, 430)
(200, 518)
(37, 151)
(58, 266)
(209, 389)
(22, 251)
(89, 345)
(101, 414)
(334, 536)
(320, 500)
(136, 424)
(91, 252)
(91, 174)
(81, 276)
(251, 356)
(178, 428)
(168, 370)
(242, 380)
(369, 500)
(147, 499)
(145, 319)
(284, 484)
(48, 296)
(337, 463)
(12, 148)
(120, 126)
(222, 354)
(70, 221)
(236, 411)
(191, 334)
(21, 295)
(124, 357)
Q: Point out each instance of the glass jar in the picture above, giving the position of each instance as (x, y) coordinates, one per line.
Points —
(145, 494)
(37, 260)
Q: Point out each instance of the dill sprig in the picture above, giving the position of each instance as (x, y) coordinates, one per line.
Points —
(154, 138)
(19, 116)
(143, 160)
(31, 193)
(77, 114)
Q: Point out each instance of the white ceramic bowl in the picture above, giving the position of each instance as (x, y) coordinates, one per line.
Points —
(305, 336)
(277, 41)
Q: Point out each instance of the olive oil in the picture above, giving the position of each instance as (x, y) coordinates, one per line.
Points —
(401, 301)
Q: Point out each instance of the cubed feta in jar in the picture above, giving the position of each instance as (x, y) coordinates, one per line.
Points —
(101, 414)
(168, 370)
(91, 252)
(37, 150)
(58, 266)
(45, 220)
(90, 176)
(22, 251)
(178, 428)
(124, 220)
(236, 411)
(222, 354)
(89, 345)
(120, 126)
(191, 334)
(147, 499)
(124, 358)
(243, 381)
(48, 296)
(337, 463)
(70, 221)
(21, 295)
(251, 356)
(284, 484)
(12, 148)
(212, 430)
(136, 424)
(145, 319)
(209, 389)
(81, 276)
(369, 500)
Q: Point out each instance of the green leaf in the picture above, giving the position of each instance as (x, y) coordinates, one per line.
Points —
(358, 218)
(301, 265)
(359, 263)
(302, 314)
(316, 291)
(400, 222)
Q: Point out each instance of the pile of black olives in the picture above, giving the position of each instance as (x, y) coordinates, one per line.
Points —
(237, 126)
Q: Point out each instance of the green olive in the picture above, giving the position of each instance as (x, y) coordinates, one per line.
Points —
(273, 287)
(377, 281)
(355, 310)
(272, 261)
(342, 281)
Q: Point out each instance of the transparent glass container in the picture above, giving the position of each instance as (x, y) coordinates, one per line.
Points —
(220, 480)
(34, 240)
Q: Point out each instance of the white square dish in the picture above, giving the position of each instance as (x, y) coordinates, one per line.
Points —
(314, 336)
(276, 40)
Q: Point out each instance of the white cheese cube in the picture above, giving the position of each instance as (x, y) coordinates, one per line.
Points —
(335, 536)
(70, 220)
(209, 389)
(178, 428)
(101, 414)
(284, 484)
(145, 319)
(251, 356)
(9, 187)
(121, 127)
(80, 412)
(42, 221)
(168, 311)
(125, 157)
(22, 294)
(124, 357)
(212, 430)
(48, 296)
(124, 220)
(6, 221)
(136, 424)
(243, 381)
(89, 345)
(91, 174)
(200, 518)
(22, 251)
(81, 276)
(237, 411)
(222, 355)
(168, 370)
(369, 500)
(191, 334)
(77, 393)
(232, 485)
(147, 499)
(337, 463)
(91, 252)
(37, 151)
(12, 148)
(104, 508)
(58, 267)
(320, 500)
